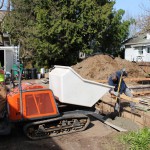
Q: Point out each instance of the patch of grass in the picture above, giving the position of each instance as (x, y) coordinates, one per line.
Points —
(137, 140)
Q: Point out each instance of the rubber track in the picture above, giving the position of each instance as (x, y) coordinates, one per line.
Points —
(68, 123)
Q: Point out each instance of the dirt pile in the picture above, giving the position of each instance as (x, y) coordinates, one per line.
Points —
(99, 67)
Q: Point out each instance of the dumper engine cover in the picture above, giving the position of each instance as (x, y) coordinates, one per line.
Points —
(37, 102)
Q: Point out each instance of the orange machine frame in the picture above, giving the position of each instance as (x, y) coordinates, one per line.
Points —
(36, 104)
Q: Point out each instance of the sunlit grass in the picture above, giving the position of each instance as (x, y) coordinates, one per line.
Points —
(138, 140)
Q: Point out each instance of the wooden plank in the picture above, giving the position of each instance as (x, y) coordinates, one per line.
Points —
(136, 100)
(140, 87)
(131, 99)
(141, 92)
(142, 107)
(99, 117)
(137, 79)
(127, 80)
(115, 127)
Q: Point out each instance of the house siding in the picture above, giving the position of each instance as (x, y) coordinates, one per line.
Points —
(137, 48)
(137, 54)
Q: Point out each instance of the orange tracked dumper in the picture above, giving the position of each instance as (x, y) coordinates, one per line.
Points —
(35, 107)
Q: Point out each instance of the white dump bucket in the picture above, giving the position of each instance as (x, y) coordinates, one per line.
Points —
(69, 87)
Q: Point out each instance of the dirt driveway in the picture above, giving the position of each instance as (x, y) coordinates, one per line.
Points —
(97, 137)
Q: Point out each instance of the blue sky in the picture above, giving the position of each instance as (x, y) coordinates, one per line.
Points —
(132, 7)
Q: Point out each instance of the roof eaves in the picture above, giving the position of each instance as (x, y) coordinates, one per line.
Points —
(137, 43)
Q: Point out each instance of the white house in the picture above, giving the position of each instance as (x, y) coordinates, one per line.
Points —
(9, 54)
(138, 48)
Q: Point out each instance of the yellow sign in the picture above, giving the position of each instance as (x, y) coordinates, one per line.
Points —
(2, 77)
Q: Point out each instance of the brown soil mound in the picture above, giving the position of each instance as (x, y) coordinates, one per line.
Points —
(99, 67)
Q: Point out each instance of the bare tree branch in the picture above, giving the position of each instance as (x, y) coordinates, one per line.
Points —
(2, 3)
(8, 5)
(143, 20)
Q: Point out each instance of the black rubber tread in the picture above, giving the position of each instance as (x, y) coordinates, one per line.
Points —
(38, 130)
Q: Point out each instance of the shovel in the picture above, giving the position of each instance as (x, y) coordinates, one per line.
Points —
(117, 104)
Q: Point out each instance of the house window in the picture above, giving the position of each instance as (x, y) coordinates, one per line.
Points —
(148, 50)
(139, 49)
(140, 52)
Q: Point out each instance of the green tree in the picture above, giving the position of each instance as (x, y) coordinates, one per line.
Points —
(19, 23)
(54, 31)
